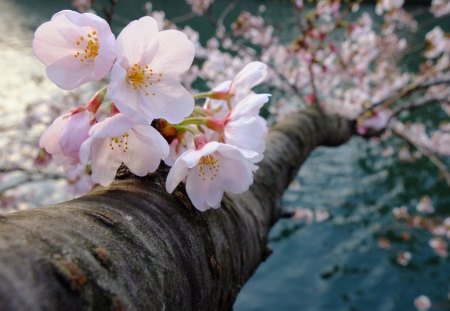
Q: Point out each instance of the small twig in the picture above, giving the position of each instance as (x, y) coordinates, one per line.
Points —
(225, 12)
(419, 83)
(414, 105)
(313, 85)
(183, 18)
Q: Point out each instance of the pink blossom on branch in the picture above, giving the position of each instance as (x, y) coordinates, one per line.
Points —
(76, 48)
(199, 6)
(388, 5)
(118, 140)
(233, 91)
(244, 127)
(440, 7)
(64, 136)
(210, 171)
(422, 303)
(145, 78)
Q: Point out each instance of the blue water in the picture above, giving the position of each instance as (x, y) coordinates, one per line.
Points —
(336, 264)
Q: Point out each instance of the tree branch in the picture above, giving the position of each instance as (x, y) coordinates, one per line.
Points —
(133, 246)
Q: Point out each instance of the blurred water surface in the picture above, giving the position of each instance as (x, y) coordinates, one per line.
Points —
(332, 265)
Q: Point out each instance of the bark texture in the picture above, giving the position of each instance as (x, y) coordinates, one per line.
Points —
(132, 246)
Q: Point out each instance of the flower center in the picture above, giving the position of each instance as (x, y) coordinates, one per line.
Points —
(142, 77)
(208, 167)
(119, 142)
(89, 45)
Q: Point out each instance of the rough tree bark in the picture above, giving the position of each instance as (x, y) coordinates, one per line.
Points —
(132, 246)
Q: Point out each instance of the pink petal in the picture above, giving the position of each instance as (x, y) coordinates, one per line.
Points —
(146, 148)
(197, 190)
(247, 133)
(192, 157)
(69, 72)
(250, 105)
(85, 151)
(215, 194)
(74, 134)
(105, 161)
(49, 45)
(138, 41)
(236, 175)
(171, 102)
(125, 98)
(175, 54)
(251, 75)
(111, 127)
(177, 174)
(50, 138)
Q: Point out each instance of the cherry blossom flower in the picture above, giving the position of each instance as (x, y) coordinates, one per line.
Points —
(117, 139)
(384, 243)
(403, 258)
(233, 91)
(422, 303)
(436, 43)
(377, 122)
(76, 48)
(64, 136)
(210, 171)
(298, 4)
(178, 146)
(303, 214)
(400, 213)
(199, 6)
(144, 80)
(244, 127)
(439, 246)
(425, 205)
(440, 7)
(388, 5)
(82, 5)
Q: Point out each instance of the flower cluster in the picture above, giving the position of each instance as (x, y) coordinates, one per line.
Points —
(213, 148)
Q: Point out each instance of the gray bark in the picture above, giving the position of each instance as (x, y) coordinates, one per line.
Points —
(132, 246)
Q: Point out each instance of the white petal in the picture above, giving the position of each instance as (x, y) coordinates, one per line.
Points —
(175, 54)
(230, 151)
(79, 19)
(105, 161)
(171, 102)
(49, 45)
(177, 174)
(215, 194)
(111, 127)
(146, 148)
(138, 41)
(85, 151)
(69, 72)
(74, 134)
(50, 138)
(252, 74)
(106, 55)
(197, 190)
(236, 174)
(124, 96)
(247, 132)
(192, 157)
(250, 105)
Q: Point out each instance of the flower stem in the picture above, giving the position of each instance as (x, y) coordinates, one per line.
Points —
(202, 95)
(187, 121)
